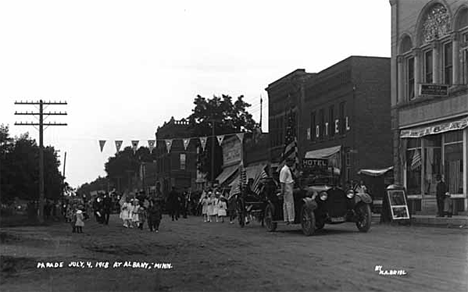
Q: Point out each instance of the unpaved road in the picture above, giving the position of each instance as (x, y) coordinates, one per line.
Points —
(224, 257)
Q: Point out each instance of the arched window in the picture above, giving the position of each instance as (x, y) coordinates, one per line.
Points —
(435, 23)
(405, 45)
(461, 26)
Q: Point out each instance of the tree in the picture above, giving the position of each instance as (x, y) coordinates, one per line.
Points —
(20, 168)
(227, 117)
(124, 164)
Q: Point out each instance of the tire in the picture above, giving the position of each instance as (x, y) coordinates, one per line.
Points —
(307, 221)
(364, 217)
(269, 224)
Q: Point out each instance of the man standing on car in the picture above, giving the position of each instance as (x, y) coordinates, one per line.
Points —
(287, 184)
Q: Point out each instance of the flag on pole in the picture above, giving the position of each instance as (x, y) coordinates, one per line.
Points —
(134, 145)
(101, 144)
(256, 183)
(168, 144)
(290, 144)
(118, 144)
(203, 142)
(416, 161)
(151, 145)
(186, 143)
(220, 139)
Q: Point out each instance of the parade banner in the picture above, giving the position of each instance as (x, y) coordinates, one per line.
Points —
(168, 144)
(118, 144)
(203, 142)
(186, 143)
(240, 136)
(220, 139)
(441, 128)
(151, 145)
(134, 145)
(101, 144)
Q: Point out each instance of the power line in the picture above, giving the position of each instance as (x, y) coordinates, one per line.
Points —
(41, 125)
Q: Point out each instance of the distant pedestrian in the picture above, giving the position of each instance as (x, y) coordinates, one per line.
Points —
(215, 206)
(107, 208)
(204, 203)
(142, 215)
(441, 191)
(135, 213)
(210, 210)
(79, 223)
(154, 215)
(222, 207)
(125, 212)
(232, 208)
(173, 204)
(287, 184)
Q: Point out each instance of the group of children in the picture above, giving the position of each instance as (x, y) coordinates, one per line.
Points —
(76, 217)
(214, 206)
(135, 213)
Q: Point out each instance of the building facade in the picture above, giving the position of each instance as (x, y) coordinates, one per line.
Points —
(177, 165)
(342, 114)
(429, 96)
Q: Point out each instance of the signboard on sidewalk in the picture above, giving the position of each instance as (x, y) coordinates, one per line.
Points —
(398, 204)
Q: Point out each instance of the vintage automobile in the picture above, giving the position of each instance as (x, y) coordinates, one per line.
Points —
(318, 202)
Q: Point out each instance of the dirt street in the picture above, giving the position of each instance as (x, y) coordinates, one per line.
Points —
(189, 255)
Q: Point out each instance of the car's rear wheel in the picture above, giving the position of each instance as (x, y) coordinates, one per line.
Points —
(307, 221)
(269, 224)
(364, 217)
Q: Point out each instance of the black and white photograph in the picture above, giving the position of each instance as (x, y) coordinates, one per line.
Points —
(215, 146)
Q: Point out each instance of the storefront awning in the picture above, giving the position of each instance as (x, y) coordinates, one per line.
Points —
(375, 172)
(227, 173)
(435, 129)
(323, 153)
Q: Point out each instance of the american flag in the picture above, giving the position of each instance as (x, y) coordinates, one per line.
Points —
(416, 161)
(290, 143)
(256, 184)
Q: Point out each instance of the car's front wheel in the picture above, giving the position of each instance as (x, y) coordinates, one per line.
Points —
(364, 217)
(307, 221)
(269, 224)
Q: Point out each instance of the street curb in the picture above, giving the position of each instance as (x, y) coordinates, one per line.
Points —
(429, 221)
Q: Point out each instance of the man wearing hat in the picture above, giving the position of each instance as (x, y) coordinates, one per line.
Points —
(287, 184)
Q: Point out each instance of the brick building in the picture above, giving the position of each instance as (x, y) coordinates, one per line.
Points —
(176, 167)
(342, 114)
(429, 96)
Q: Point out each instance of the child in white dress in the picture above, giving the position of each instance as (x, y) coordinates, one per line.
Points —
(215, 206)
(204, 203)
(210, 208)
(135, 214)
(125, 212)
(222, 207)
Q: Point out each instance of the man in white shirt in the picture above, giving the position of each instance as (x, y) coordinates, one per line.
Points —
(287, 184)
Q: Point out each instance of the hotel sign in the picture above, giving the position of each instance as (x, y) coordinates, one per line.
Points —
(314, 163)
(433, 89)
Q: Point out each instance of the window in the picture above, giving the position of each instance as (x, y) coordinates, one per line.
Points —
(428, 67)
(331, 121)
(453, 161)
(413, 167)
(410, 78)
(312, 126)
(448, 63)
(432, 162)
(342, 127)
(322, 123)
(464, 65)
(183, 161)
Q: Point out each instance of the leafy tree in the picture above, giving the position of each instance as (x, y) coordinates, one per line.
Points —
(20, 168)
(227, 117)
(125, 163)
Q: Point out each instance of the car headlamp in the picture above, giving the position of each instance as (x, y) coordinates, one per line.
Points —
(323, 196)
(350, 194)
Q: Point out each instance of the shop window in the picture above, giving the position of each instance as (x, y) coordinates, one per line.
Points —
(428, 66)
(432, 162)
(410, 78)
(448, 63)
(342, 127)
(413, 167)
(453, 161)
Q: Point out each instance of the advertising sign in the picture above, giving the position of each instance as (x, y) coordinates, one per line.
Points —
(398, 204)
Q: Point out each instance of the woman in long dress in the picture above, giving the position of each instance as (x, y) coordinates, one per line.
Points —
(222, 206)
(204, 203)
(135, 213)
(210, 208)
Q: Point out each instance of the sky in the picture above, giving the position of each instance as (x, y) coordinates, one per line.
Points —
(126, 67)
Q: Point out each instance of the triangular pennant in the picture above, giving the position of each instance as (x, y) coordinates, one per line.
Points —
(134, 145)
(168, 144)
(186, 143)
(118, 144)
(220, 139)
(101, 144)
(203, 142)
(240, 136)
(151, 145)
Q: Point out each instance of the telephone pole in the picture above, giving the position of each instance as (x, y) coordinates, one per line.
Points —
(41, 125)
